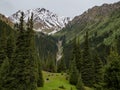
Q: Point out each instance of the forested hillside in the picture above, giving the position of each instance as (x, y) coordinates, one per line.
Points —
(47, 49)
(84, 55)
(102, 24)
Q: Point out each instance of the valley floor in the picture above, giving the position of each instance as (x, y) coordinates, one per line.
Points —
(57, 81)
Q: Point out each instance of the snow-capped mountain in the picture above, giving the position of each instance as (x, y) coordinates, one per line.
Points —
(44, 20)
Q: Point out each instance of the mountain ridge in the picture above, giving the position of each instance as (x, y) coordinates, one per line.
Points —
(103, 10)
(44, 20)
(93, 16)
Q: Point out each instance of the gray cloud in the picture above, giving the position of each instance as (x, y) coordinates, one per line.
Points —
(62, 7)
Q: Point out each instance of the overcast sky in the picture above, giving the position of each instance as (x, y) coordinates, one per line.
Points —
(69, 8)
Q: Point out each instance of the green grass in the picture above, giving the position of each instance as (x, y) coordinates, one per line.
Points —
(55, 81)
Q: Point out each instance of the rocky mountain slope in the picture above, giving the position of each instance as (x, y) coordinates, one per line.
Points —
(102, 24)
(94, 20)
(44, 20)
(6, 20)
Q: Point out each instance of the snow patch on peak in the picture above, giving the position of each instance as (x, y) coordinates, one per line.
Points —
(44, 20)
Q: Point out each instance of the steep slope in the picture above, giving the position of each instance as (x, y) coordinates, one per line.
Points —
(46, 45)
(102, 24)
(94, 20)
(44, 20)
(6, 20)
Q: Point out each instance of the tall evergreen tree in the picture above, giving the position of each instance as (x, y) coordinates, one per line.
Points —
(32, 62)
(50, 64)
(6, 51)
(24, 65)
(61, 66)
(18, 63)
(73, 73)
(118, 44)
(77, 54)
(98, 72)
(112, 72)
(4, 74)
(87, 64)
(80, 85)
(3, 43)
(40, 81)
(10, 45)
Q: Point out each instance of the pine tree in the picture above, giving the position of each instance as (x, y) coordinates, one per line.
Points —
(78, 58)
(3, 43)
(4, 74)
(10, 45)
(40, 81)
(24, 65)
(98, 73)
(61, 66)
(18, 63)
(80, 85)
(32, 63)
(118, 44)
(112, 72)
(6, 51)
(73, 73)
(76, 55)
(87, 64)
(50, 64)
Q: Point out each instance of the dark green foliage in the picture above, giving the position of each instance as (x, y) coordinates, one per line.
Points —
(47, 49)
(61, 67)
(24, 69)
(10, 45)
(49, 64)
(77, 54)
(80, 85)
(67, 55)
(18, 64)
(98, 73)
(46, 45)
(4, 75)
(6, 53)
(102, 32)
(31, 69)
(118, 44)
(21, 25)
(3, 41)
(87, 64)
(112, 72)
(40, 81)
(73, 73)
(62, 87)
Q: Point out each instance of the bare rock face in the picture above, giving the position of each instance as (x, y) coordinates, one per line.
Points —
(6, 20)
(96, 13)
(44, 20)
